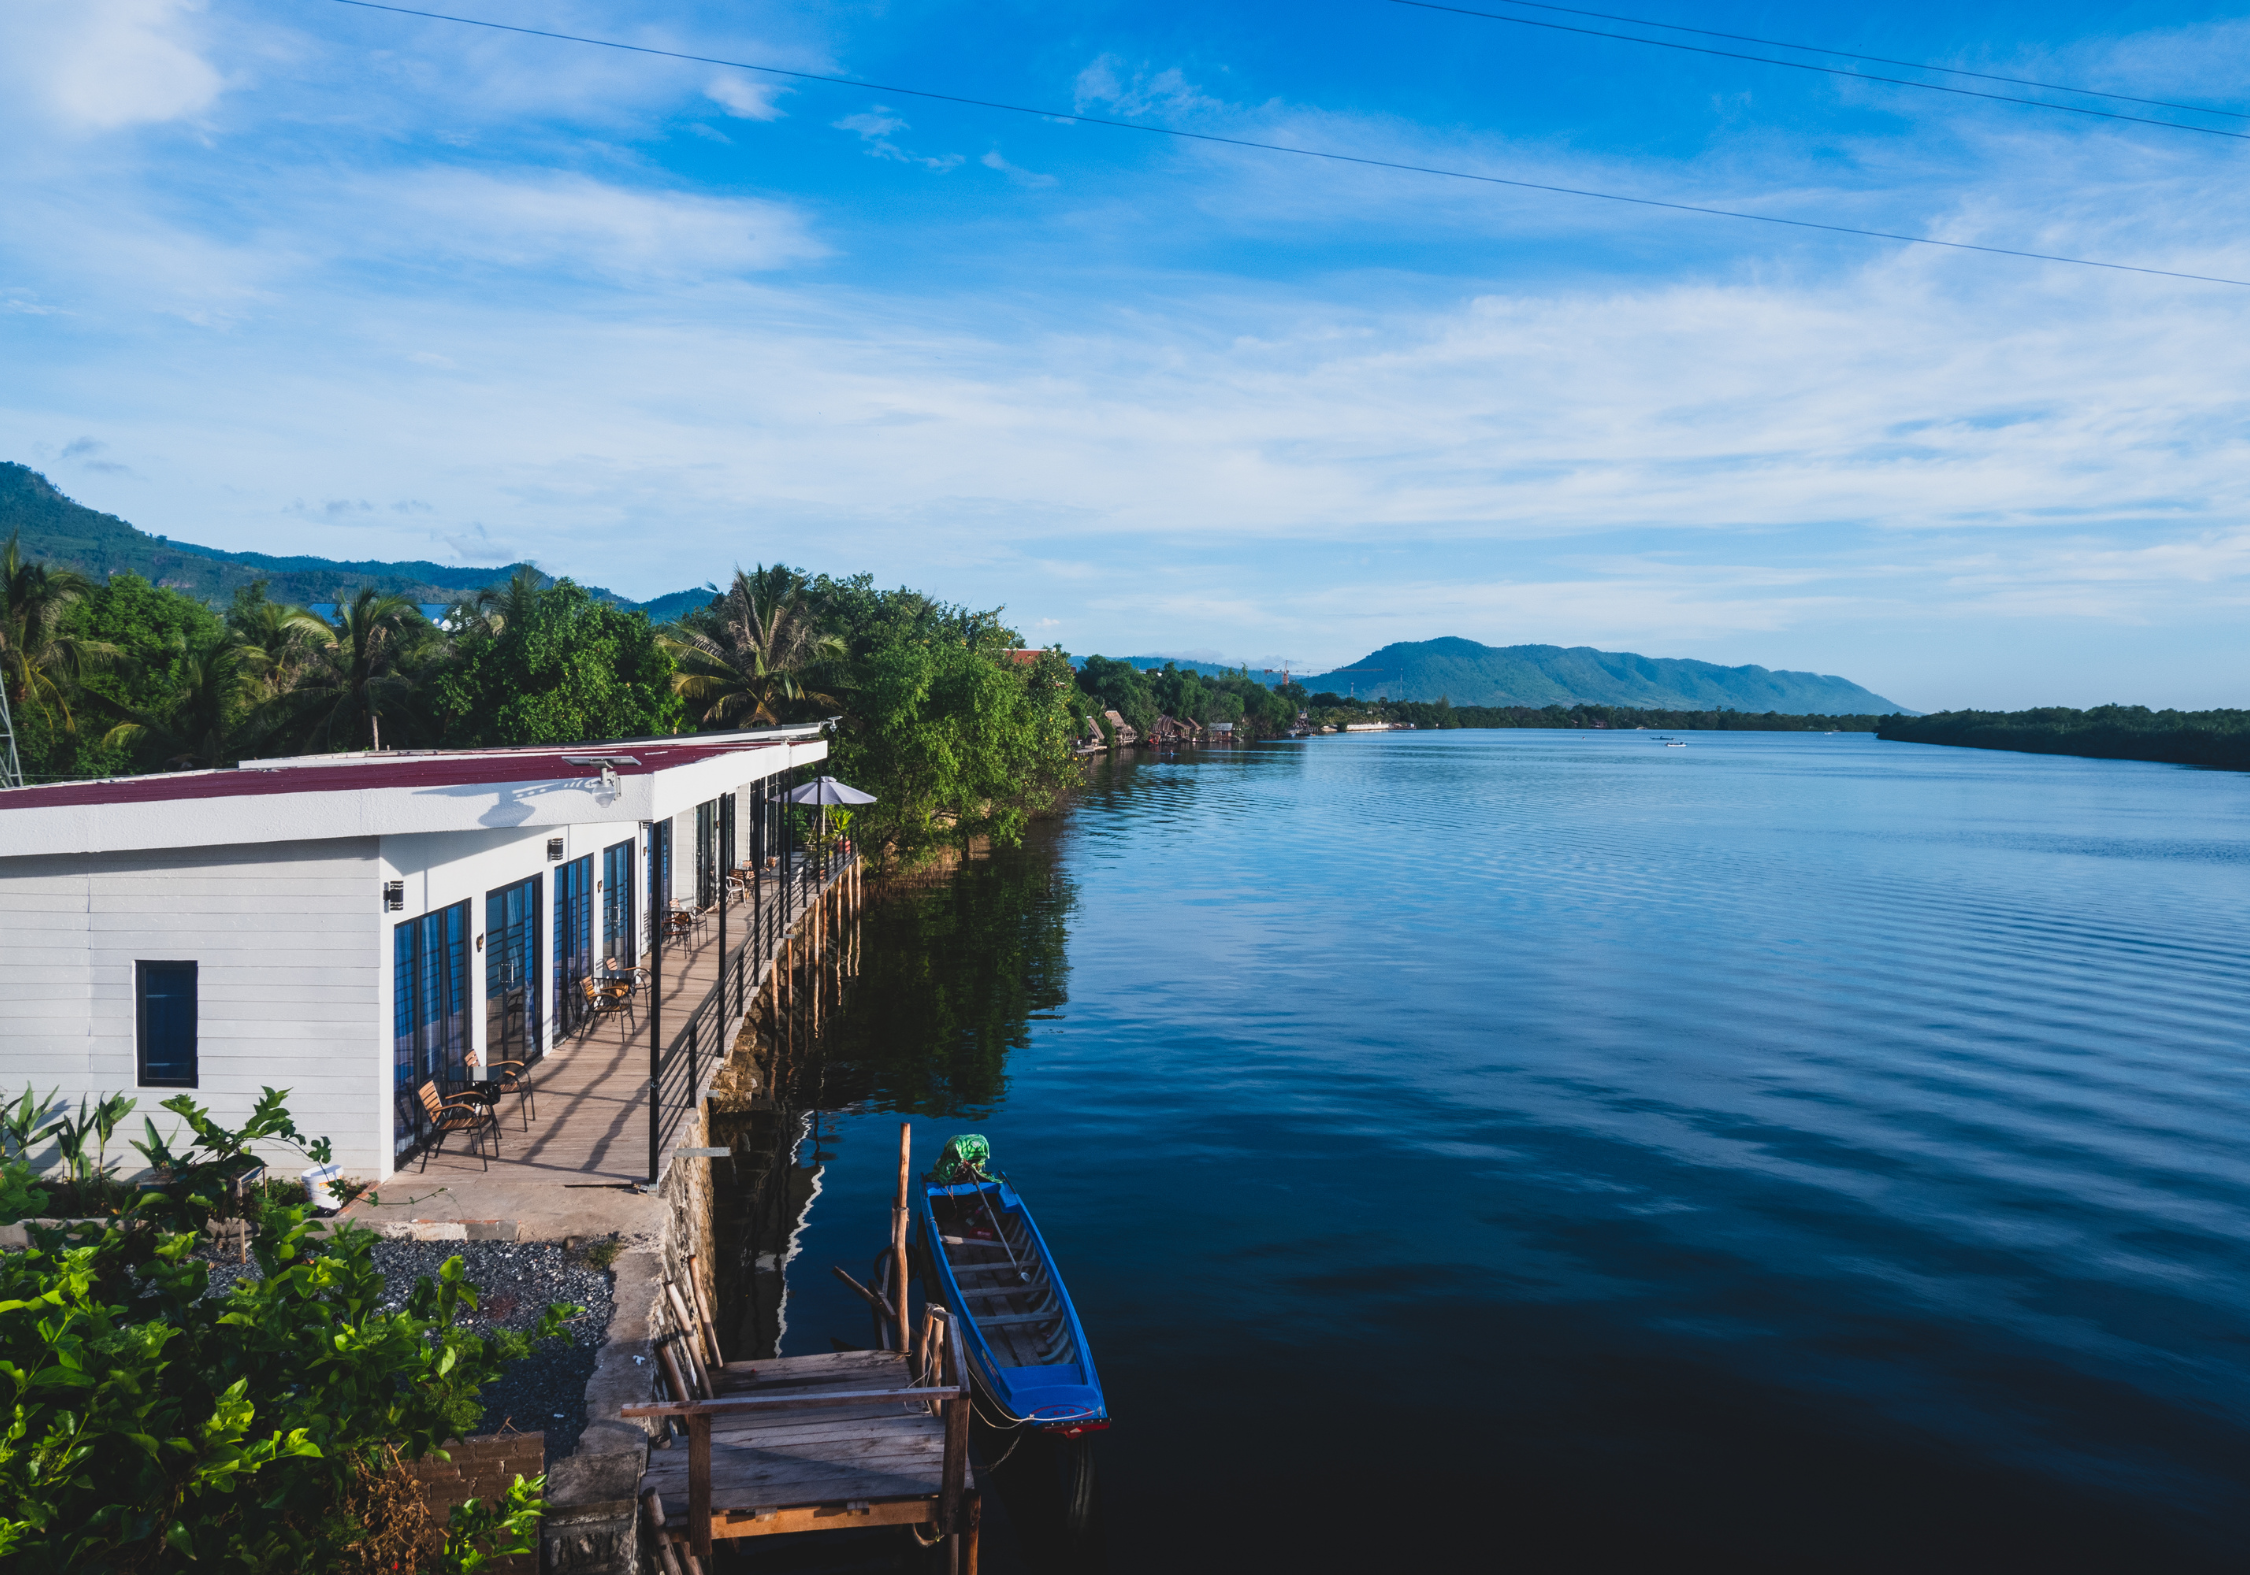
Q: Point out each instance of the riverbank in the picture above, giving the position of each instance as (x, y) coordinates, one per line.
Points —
(2219, 739)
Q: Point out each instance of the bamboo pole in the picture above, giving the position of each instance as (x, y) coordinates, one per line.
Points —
(898, 1227)
(703, 1313)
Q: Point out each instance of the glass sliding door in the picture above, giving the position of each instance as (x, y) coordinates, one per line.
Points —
(429, 1013)
(706, 854)
(511, 972)
(619, 944)
(574, 941)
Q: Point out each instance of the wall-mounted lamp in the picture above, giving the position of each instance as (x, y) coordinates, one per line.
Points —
(609, 765)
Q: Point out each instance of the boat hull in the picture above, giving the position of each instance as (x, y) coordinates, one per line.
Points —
(1062, 1396)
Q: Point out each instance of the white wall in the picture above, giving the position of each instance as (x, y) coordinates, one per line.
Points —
(294, 950)
(287, 989)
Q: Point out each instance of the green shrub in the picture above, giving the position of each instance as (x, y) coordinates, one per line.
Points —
(19, 1198)
(156, 1426)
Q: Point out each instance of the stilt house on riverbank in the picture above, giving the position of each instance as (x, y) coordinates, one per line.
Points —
(350, 927)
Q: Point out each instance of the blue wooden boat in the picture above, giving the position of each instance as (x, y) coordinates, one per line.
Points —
(1021, 1340)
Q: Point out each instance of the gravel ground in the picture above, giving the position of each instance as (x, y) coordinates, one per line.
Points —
(546, 1391)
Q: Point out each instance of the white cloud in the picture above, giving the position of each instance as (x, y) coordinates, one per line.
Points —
(1030, 179)
(98, 65)
(745, 99)
(875, 130)
(1108, 85)
(574, 224)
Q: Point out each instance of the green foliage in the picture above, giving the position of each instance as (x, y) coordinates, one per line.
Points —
(366, 675)
(954, 737)
(21, 1196)
(477, 1533)
(745, 658)
(155, 1426)
(556, 666)
(25, 1124)
(2109, 732)
(1139, 695)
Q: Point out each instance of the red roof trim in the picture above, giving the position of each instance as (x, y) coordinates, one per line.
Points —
(407, 771)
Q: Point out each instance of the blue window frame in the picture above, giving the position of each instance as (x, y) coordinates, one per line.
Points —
(511, 973)
(429, 1012)
(574, 940)
(164, 1031)
(706, 854)
(618, 942)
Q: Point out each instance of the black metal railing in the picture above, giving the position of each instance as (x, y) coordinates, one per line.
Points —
(775, 905)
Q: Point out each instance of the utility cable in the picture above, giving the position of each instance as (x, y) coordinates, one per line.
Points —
(1303, 153)
(1880, 60)
(1832, 71)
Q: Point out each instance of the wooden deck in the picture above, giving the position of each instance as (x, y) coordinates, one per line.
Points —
(871, 1464)
(588, 1115)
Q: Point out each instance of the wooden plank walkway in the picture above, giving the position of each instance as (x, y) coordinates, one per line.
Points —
(818, 1464)
(590, 1090)
(764, 1457)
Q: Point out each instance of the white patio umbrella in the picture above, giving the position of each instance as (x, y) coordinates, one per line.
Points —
(825, 791)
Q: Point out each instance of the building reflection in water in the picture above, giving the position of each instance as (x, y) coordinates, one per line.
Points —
(914, 1009)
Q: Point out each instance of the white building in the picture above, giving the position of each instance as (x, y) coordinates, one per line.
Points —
(347, 927)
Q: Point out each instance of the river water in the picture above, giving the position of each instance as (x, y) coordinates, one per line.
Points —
(1556, 1150)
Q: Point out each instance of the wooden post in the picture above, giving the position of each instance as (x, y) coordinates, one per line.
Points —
(898, 1229)
(703, 1313)
(699, 1482)
(972, 1509)
(683, 1387)
(653, 1502)
(956, 1445)
(688, 1337)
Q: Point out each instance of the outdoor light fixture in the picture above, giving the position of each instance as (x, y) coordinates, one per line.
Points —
(554, 849)
(394, 895)
(609, 765)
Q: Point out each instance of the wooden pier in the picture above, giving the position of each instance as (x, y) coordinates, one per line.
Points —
(816, 1443)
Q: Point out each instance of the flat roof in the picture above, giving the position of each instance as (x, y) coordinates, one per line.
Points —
(394, 792)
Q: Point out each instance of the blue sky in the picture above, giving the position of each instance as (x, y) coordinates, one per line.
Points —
(291, 276)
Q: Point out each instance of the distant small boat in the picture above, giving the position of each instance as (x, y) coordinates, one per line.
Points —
(1675, 743)
(1020, 1334)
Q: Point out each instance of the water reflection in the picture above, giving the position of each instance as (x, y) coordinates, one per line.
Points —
(916, 1010)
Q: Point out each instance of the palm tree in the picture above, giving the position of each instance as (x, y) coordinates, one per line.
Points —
(200, 726)
(41, 661)
(363, 674)
(492, 609)
(760, 645)
(279, 640)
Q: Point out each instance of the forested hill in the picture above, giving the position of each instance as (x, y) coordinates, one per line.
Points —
(1466, 673)
(59, 530)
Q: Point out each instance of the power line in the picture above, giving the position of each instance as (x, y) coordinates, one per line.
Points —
(1833, 71)
(1305, 153)
(1880, 60)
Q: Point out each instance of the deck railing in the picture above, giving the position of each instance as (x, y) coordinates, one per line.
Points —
(776, 900)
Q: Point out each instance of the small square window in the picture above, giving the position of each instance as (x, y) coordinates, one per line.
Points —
(165, 996)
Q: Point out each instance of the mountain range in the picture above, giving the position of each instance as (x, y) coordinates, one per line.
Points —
(58, 529)
(1466, 673)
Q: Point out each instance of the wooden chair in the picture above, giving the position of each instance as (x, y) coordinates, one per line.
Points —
(509, 1077)
(461, 1113)
(607, 998)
